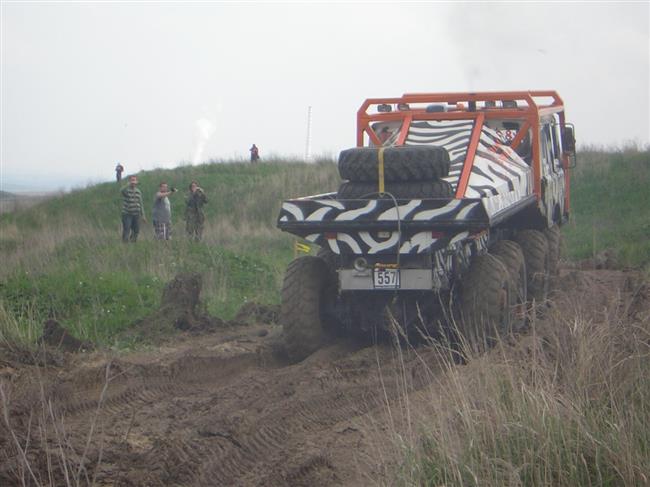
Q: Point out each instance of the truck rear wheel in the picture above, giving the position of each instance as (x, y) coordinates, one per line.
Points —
(535, 247)
(403, 163)
(485, 302)
(307, 291)
(414, 189)
(512, 256)
(554, 239)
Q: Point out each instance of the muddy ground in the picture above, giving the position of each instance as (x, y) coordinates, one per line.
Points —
(226, 408)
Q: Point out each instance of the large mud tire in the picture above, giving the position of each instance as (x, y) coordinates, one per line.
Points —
(554, 239)
(512, 256)
(307, 291)
(485, 311)
(536, 254)
(332, 261)
(403, 163)
(415, 189)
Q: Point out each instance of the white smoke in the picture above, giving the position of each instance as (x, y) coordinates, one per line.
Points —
(204, 130)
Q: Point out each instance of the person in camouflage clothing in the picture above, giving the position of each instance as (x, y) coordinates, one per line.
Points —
(194, 217)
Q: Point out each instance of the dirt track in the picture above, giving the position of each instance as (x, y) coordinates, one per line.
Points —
(223, 409)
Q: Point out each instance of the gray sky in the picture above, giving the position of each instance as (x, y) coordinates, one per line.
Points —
(87, 84)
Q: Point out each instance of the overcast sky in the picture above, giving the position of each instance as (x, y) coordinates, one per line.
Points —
(85, 85)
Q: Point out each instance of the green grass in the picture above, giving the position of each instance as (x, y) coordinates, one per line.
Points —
(64, 258)
(610, 201)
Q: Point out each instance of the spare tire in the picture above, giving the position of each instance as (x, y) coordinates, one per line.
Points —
(403, 163)
(416, 189)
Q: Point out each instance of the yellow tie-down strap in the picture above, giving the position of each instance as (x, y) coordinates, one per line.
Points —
(380, 167)
(301, 247)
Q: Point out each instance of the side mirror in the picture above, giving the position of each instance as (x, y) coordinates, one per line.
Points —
(569, 144)
(569, 139)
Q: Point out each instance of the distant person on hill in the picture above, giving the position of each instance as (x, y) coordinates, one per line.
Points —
(132, 210)
(255, 154)
(119, 169)
(194, 217)
(162, 213)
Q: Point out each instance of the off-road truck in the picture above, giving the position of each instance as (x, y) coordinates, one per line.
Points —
(449, 207)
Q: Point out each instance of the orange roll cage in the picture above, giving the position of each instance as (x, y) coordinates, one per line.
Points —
(528, 106)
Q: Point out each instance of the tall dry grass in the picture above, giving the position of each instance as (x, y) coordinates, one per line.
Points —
(566, 405)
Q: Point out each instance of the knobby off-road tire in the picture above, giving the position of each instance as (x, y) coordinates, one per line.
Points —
(485, 301)
(332, 261)
(512, 256)
(403, 163)
(307, 291)
(554, 239)
(415, 189)
(535, 247)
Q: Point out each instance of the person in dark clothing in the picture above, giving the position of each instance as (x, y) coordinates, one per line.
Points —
(132, 210)
(194, 216)
(119, 169)
(255, 154)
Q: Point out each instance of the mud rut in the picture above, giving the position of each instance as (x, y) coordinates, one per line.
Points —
(216, 411)
(211, 410)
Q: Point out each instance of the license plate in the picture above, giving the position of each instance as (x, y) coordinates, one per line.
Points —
(386, 278)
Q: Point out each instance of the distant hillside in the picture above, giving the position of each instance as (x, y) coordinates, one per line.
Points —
(19, 201)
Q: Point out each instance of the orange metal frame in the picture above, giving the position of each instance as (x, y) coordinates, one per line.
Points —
(463, 106)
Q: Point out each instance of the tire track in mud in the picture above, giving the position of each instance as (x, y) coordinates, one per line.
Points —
(133, 385)
(247, 452)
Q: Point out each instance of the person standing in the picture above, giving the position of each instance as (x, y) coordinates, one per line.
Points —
(162, 213)
(119, 169)
(255, 154)
(194, 217)
(132, 210)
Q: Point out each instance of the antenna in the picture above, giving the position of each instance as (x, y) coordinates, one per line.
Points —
(308, 142)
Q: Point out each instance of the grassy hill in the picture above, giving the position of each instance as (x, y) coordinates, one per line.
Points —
(63, 258)
(610, 198)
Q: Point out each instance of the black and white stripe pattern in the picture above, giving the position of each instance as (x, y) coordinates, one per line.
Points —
(500, 180)
(368, 243)
(315, 212)
(499, 176)
(452, 135)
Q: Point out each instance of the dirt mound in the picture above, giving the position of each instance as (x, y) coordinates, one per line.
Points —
(180, 309)
(54, 335)
(252, 312)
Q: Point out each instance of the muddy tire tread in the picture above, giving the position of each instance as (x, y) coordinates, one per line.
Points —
(512, 256)
(554, 239)
(480, 299)
(535, 248)
(305, 283)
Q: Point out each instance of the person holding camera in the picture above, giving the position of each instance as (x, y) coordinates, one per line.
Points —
(194, 217)
(162, 213)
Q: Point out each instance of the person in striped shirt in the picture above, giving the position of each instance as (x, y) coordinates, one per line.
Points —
(132, 210)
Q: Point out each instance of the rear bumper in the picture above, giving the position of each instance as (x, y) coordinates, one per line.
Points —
(410, 280)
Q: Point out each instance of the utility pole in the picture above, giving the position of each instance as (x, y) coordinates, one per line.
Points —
(308, 142)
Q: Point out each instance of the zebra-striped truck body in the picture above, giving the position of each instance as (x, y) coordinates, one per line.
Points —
(509, 158)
